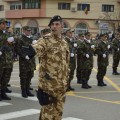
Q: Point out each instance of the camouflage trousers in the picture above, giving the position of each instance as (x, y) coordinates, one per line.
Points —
(5, 74)
(53, 111)
(116, 62)
(25, 78)
(85, 75)
(78, 72)
(101, 72)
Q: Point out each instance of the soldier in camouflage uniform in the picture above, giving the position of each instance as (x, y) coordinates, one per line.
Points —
(72, 47)
(102, 51)
(12, 46)
(116, 53)
(79, 58)
(53, 51)
(86, 49)
(26, 64)
(6, 59)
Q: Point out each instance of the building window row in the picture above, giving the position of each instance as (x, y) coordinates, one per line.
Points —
(84, 7)
(31, 4)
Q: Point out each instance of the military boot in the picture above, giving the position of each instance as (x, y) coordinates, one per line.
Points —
(0, 96)
(29, 93)
(103, 83)
(8, 90)
(23, 92)
(4, 95)
(115, 71)
(85, 86)
(99, 83)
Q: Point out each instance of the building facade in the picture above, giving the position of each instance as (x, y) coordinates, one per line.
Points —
(95, 16)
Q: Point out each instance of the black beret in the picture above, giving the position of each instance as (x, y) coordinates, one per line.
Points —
(87, 33)
(3, 20)
(55, 18)
(27, 28)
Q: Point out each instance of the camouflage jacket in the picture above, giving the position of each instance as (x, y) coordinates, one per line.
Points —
(24, 64)
(83, 49)
(6, 59)
(78, 52)
(116, 47)
(72, 50)
(101, 49)
(54, 64)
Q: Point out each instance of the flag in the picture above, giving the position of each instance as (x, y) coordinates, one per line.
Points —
(85, 8)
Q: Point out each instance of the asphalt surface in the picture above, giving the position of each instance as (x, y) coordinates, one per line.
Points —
(97, 103)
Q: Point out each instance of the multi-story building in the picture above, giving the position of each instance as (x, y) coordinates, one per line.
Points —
(95, 16)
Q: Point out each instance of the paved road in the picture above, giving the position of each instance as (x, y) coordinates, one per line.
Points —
(97, 103)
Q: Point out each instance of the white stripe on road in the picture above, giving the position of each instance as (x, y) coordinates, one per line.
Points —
(18, 114)
(4, 103)
(71, 118)
(19, 96)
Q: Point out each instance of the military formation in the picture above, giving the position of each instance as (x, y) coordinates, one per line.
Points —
(60, 55)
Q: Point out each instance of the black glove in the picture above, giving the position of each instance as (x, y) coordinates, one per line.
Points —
(44, 98)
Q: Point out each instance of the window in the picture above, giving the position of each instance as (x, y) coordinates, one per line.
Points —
(108, 8)
(1, 7)
(64, 6)
(81, 28)
(82, 7)
(15, 6)
(31, 4)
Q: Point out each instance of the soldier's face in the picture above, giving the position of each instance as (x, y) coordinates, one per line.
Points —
(3, 26)
(56, 27)
(69, 34)
(88, 36)
(27, 32)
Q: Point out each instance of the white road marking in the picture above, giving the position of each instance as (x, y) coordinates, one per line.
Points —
(4, 103)
(71, 118)
(19, 96)
(18, 114)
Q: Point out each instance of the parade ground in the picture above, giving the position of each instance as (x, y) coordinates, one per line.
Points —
(97, 103)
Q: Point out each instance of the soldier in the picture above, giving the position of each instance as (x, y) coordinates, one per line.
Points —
(53, 51)
(102, 51)
(6, 59)
(79, 58)
(26, 62)
(86, 50)
(72, 47)
(45, 31)
(11, 45)
(116, 53)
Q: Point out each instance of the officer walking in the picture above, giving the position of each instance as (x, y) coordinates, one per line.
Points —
(102, 51)
(6, 60)
(26, 61)
(72, 47)
(53, 51)
(116, 53)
